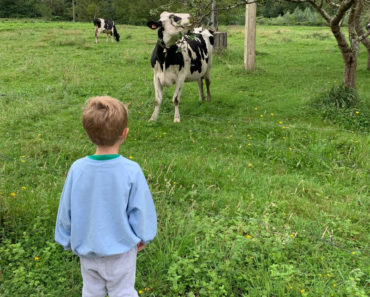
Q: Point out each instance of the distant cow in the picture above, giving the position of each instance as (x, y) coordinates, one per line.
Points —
(105, 26)
(180, 56)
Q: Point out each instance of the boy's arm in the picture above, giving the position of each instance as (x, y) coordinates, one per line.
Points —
(141, 211)
(63, 222)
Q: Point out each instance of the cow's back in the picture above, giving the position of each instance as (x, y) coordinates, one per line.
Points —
(199, 49)
(190, 58)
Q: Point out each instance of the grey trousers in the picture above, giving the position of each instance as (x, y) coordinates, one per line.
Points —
(112, 275)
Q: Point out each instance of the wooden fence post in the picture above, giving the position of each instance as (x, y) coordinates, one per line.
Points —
(220, 41)
(250, 36)
(73, 11)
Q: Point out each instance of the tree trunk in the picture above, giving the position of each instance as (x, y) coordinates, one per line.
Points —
(349, 51)
(350, 65)
(358, 12)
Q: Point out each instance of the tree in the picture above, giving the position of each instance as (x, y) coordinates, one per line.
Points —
(18, 8)
(334, 11)
(364, 37)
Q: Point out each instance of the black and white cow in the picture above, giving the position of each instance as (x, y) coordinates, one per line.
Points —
(179, 56)
(105, 26)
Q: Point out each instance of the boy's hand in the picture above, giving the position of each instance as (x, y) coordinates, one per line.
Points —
(140, 246)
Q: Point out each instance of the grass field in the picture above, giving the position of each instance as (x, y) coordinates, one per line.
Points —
(256, 194)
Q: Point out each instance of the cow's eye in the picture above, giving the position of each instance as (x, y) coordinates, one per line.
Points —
(177, 19)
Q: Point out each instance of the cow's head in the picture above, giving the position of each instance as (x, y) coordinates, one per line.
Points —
(172, 26)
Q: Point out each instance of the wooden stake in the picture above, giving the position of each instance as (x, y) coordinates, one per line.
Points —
(250, 36)
(73, 11)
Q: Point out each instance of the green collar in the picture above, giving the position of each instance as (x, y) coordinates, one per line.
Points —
(103, 157)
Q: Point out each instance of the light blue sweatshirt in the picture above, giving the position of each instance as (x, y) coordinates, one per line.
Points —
(105, 208)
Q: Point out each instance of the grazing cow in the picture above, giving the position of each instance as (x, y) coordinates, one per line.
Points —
(105, 26)
(180, 56)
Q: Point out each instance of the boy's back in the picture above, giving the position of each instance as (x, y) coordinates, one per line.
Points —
(111, 206)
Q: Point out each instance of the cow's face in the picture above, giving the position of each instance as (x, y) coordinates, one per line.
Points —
(172, 26)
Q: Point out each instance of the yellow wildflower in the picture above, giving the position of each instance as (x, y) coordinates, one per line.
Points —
(36, 258)
(248, 236)
(334, 285)
(140, 291)
(302, 291)
(250, 165)
(24, 188)
(357, 112)
(261, 115)
(130, 157)
(280, 122)
(13, 194)
(256, 108)
(272, 114)
(353, 253)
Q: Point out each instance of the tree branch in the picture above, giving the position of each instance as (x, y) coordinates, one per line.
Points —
(245, 2)
(364, 37)
(333, 4)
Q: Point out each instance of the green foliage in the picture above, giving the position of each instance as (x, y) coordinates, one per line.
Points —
(31, 260)
(343, 106)
(140, 11)
(307, 17)
(256, 195)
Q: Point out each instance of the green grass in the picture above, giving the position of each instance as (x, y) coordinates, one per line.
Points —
(247, 205)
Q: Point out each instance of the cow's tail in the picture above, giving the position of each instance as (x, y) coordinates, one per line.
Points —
(115, 33)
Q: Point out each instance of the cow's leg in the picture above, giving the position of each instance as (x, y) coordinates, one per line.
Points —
(176, 100)
(208, 83)
(111, 35)
(158, 89)
(201, 93)
(107, 37)
(96, 36)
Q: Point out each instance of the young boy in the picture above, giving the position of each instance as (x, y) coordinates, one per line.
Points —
(106, 212)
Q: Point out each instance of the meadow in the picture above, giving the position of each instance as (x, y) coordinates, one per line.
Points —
(256, 193)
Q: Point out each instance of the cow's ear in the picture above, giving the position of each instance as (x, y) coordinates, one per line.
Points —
(154, 25)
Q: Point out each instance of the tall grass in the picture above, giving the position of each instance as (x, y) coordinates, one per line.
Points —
(256, 194)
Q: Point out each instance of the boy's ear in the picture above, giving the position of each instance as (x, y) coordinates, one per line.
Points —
(125, 132)
(154, 25)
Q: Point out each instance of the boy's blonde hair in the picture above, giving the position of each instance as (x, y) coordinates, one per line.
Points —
(104, 119)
